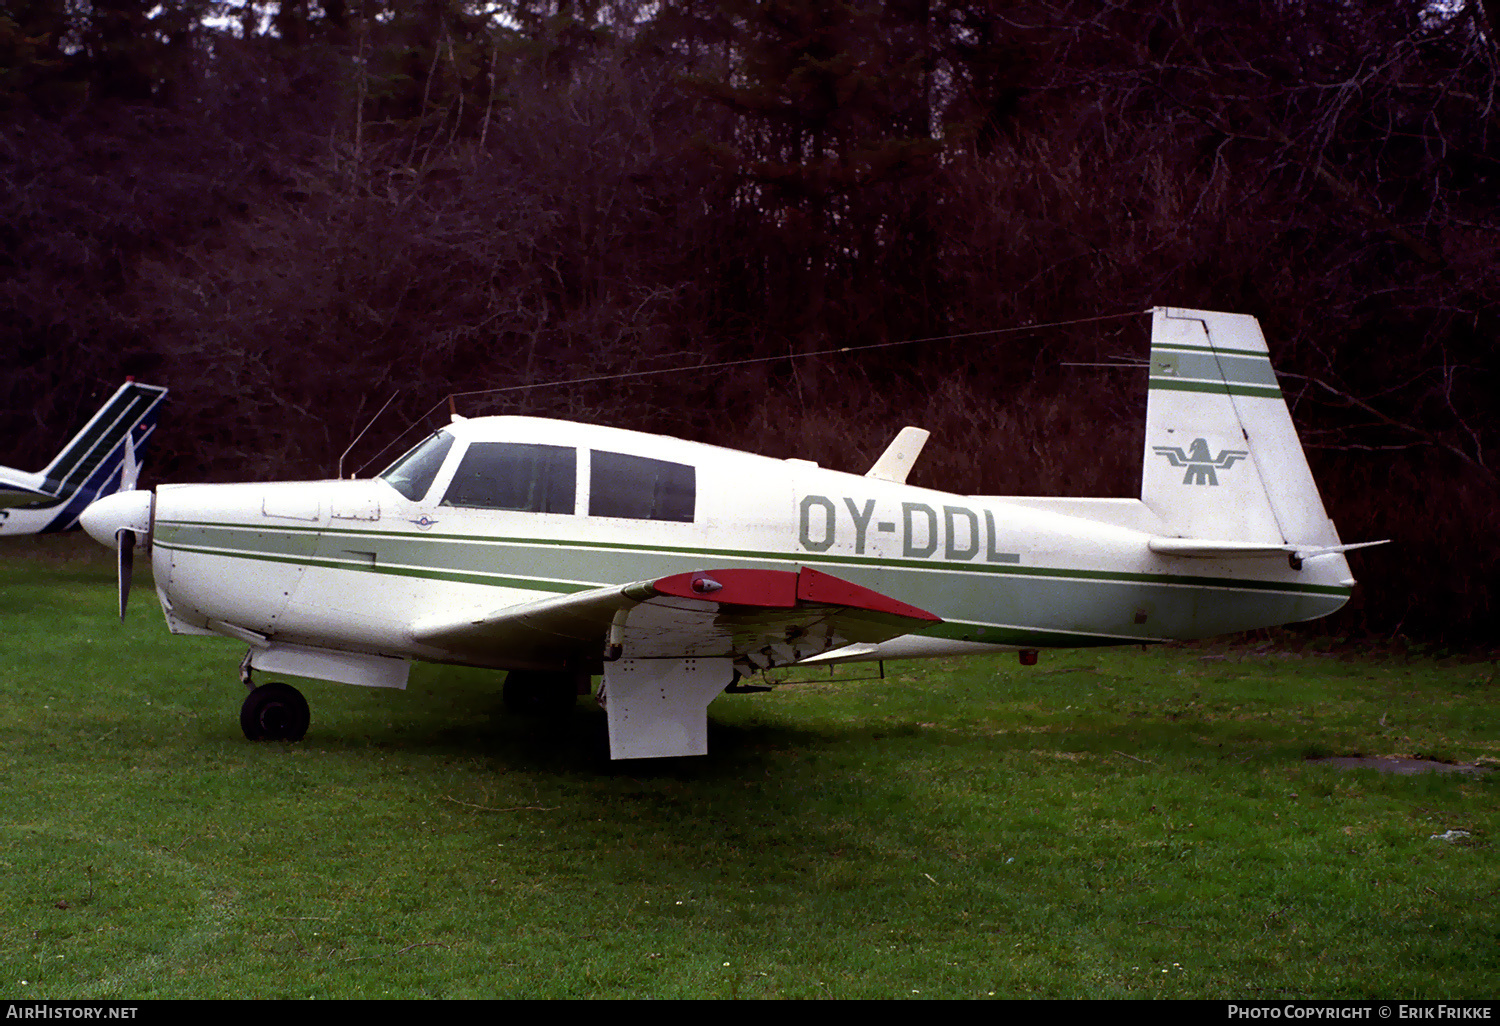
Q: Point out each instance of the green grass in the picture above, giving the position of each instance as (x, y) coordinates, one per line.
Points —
(1106, 824)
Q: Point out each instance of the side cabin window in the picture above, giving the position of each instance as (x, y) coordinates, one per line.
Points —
(641, 489)
(515, 476)
(412, 474)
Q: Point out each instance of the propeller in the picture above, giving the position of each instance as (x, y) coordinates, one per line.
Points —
(121, 520)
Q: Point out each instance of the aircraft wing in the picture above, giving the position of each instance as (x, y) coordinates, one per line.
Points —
(763, 617)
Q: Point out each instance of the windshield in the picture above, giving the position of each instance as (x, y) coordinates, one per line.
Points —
(412, 474)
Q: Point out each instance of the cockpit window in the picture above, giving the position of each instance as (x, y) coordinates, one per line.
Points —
(641, 488)
(515, 476)
(412, 474)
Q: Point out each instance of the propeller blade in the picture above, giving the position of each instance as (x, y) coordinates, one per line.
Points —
(130, 469)
(125, 553)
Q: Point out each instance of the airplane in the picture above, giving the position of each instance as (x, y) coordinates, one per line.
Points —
(103, 458)
(559, 551)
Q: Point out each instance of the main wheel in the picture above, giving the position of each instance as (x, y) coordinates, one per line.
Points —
(537, 693)
(275, 712)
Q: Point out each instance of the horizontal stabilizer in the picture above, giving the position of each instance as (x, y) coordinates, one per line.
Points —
(1200, 548)
(18, 488)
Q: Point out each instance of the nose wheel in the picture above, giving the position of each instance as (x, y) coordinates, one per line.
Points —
(275, 712)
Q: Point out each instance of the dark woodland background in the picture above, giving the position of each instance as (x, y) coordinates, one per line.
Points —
(289, 211)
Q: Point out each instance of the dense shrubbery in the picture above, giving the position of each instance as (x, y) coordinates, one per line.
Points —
(293, 213)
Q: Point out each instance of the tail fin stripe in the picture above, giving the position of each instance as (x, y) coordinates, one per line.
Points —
(1216, 387)
(1180, 347)
(1243, 370)
(99, 424)
(104, 432)
(101, 436)
(1207, 371)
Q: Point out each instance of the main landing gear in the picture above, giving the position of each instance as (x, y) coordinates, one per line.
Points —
(272, 712)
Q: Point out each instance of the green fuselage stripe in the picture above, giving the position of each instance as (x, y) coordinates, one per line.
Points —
(307, 536)
(391, 570)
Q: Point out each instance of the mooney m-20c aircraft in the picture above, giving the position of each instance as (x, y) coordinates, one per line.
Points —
(101, 459)
(558, 551)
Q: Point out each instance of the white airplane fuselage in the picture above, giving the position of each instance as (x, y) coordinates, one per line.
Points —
(356, 565)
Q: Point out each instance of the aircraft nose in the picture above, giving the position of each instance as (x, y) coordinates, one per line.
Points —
(120, 511)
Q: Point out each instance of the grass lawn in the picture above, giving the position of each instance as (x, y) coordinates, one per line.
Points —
(1109, 823)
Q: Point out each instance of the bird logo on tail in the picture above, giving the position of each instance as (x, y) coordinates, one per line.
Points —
(1201, 467)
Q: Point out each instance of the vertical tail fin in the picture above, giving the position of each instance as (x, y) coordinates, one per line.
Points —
(105, 450)
(1222, 457)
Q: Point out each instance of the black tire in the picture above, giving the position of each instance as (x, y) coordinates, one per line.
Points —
(537, 693)
(275, 712)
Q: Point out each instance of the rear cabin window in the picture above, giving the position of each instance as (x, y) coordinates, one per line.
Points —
(641, 489)
(412, 474)
(515, 476)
